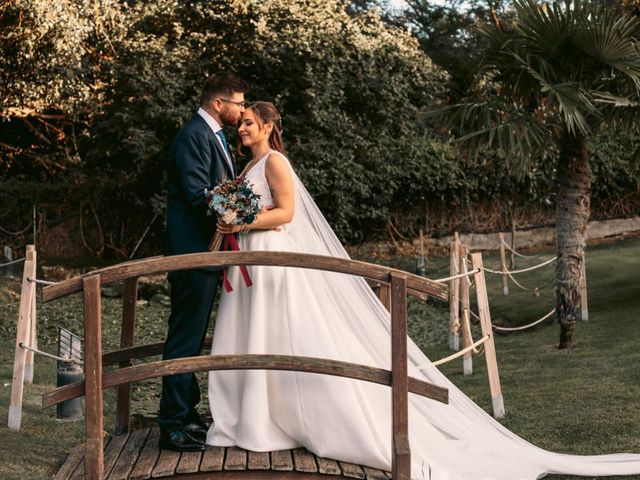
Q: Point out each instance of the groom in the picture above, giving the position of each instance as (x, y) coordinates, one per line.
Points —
(199, 159)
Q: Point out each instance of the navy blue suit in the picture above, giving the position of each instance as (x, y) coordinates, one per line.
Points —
(196, 162)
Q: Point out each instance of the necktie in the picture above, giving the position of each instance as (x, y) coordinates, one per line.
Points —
(223, 139)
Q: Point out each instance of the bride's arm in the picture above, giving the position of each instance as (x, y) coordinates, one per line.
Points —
(281, 186)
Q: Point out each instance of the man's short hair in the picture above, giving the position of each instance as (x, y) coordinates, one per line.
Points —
(222, 84)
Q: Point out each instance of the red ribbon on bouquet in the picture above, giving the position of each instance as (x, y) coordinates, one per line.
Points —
(229, 242)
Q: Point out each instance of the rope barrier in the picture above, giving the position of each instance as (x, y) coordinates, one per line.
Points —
(15, 234)
(524, 327)
(12, 262)
(457, 354)
(518, 284)
(41, 282)
(467, 328)
(55, 357)
(519, 254)
(468, 274)
(495, 272)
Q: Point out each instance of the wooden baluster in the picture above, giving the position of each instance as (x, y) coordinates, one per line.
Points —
(489, 346)
(129, 297)
(401, 455)
(454, 297)
(22, 337)
(467, 359)
(503, 265)
(94, 408)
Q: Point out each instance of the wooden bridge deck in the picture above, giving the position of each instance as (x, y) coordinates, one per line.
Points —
(137, 456)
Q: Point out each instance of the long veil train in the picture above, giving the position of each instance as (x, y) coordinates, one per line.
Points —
(458, 441)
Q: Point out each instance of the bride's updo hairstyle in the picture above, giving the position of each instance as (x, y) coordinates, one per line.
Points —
(266, 112)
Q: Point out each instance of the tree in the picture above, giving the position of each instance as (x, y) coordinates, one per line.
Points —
(552, 78)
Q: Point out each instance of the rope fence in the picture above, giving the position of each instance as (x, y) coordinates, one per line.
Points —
(522, 255)
(524, 327)
(460, 275)
(457, 354)
(12, 262)
(49, 355)
(41, 282)
(513, 272)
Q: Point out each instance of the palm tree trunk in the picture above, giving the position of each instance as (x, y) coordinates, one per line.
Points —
(572, 214)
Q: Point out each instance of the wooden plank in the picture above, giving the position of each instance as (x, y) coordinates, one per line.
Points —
(94, 421)
(32, 339)
(245, 362)
(489, 346)
(374, 474)
(328, 466)
(303, 461)
(79, 473)
(112, 452)
(281, 460)
(259, 461)
(401, 454)
(503, 264)
(351, 470)
(123, 402)
(148, 457)
(584, 301)
(236, 459)
(129, 455)
(189, 462)
(71, 463)
(383, 295)
(465, 316)
(148, 266)
(454, 295)
(166, 464)
(22, 335)
(212, 459)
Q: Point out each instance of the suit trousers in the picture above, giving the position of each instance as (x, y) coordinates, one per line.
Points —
(192, 296)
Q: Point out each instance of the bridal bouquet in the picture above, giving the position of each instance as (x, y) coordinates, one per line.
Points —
(235, 202)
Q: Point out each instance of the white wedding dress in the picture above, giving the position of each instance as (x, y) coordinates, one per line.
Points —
(294, 311)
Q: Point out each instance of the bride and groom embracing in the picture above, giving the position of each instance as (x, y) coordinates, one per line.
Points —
(300, 312)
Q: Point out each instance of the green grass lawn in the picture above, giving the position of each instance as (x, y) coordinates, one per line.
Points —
(582, 401)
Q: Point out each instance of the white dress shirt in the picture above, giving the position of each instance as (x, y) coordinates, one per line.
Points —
(215, 127)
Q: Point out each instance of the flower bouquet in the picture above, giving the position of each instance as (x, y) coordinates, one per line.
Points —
(235, 203)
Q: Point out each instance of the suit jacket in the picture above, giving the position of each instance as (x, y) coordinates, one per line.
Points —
(196, 162)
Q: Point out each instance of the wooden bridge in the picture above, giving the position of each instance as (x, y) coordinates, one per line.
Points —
(136, 455)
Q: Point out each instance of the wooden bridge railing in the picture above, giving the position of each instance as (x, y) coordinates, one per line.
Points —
(400, 283)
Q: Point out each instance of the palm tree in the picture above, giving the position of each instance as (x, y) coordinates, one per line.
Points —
(550, 80)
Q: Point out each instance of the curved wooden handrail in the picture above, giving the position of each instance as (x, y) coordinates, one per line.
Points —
(245, 362)
(207, 259)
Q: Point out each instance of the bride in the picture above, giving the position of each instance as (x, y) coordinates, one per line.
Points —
(292, 311)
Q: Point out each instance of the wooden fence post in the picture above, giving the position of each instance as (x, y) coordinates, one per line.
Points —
(22, 337)
(129, 297)
(401, 454)
(512, 262)
(503, 265)
(489, 345)
(94, 408)
(32, 340)
(467, 359)
(584, 301)
(454, 297)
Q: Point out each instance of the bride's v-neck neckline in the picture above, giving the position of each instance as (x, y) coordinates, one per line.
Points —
(244, 174)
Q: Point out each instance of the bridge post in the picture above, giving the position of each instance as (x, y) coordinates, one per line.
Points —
(129, 298)
(401, 454)
(454, 297)
(487, 329)
(94, 408)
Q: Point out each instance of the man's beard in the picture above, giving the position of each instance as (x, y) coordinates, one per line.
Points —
(228, 118)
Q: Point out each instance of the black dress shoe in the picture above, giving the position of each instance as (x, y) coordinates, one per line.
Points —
(197, 430)
(180, 441)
